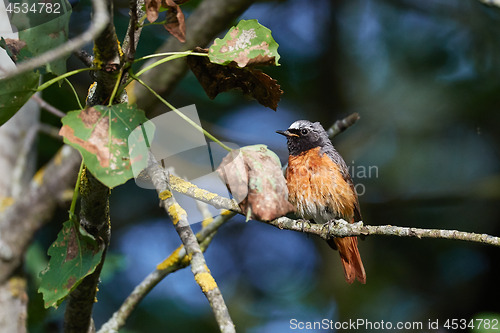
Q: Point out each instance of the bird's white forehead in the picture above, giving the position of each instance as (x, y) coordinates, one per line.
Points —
(298, 124)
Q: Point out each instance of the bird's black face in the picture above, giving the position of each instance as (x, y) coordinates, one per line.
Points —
(303, 135)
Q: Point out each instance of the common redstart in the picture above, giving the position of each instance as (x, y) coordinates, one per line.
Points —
(321, 189)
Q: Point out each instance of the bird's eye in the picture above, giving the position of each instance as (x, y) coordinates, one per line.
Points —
(304, 131)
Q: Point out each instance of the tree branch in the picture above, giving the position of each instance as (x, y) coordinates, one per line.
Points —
(22, 161)
(182, 186)
(491, 2)
(133, 30)
(50, 108)
(94, 211)
(336, 230)
(341, 125)
(98, 22)
(341, 228)
(199, 268)
(94, 217)
(175, 261)
(26, 214)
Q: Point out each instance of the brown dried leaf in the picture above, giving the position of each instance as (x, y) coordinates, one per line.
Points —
(175, 24)
(14, 46)
(175, 21)
(252, 82)
(253, 175)
(152, 9)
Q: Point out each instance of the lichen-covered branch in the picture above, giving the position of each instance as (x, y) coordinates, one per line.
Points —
(134, 30)
(184, 187)
(94, 196)
(338, 229)
(94, 217)
(199, 268)
(341, 228)
(175, 261)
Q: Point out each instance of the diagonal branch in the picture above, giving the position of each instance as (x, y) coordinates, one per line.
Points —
(341, 125)
(26, 214)
(491, 2)
(198, 265)
(174, 262)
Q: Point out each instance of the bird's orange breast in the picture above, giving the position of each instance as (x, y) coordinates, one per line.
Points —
(317, 188)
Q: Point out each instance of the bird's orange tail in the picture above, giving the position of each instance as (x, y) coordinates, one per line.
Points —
(351, 260)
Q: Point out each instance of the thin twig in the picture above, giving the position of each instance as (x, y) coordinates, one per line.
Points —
(48, 107)
(24, 153)
(98, 22)
(491, 2)
(341, 228)
(175, 261)
(86, 58)
(341, 125)
(199, 268)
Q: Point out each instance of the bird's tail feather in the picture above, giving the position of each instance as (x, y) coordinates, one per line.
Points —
(351, 260)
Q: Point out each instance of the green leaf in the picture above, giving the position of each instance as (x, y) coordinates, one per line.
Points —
(249, 43)
(47, 31)
(100, 133)
(44, 29)
(74, 255)
(39, 31)
(15, 92)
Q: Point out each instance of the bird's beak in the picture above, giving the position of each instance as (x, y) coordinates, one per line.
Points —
(287, 133)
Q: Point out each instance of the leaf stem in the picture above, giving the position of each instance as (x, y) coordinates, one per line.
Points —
(74, 92)
(75, 193)
(154, 23)
(159, 62)
(183, 116)
(170, 54)
(115, 88)
(63, 76)
(173, 55)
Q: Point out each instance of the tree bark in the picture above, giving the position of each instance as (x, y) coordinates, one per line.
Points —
(13, 297)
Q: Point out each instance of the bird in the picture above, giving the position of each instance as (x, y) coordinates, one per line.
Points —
(321, 189)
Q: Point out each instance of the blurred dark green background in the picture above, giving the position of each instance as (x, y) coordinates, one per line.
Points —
(424, 77)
